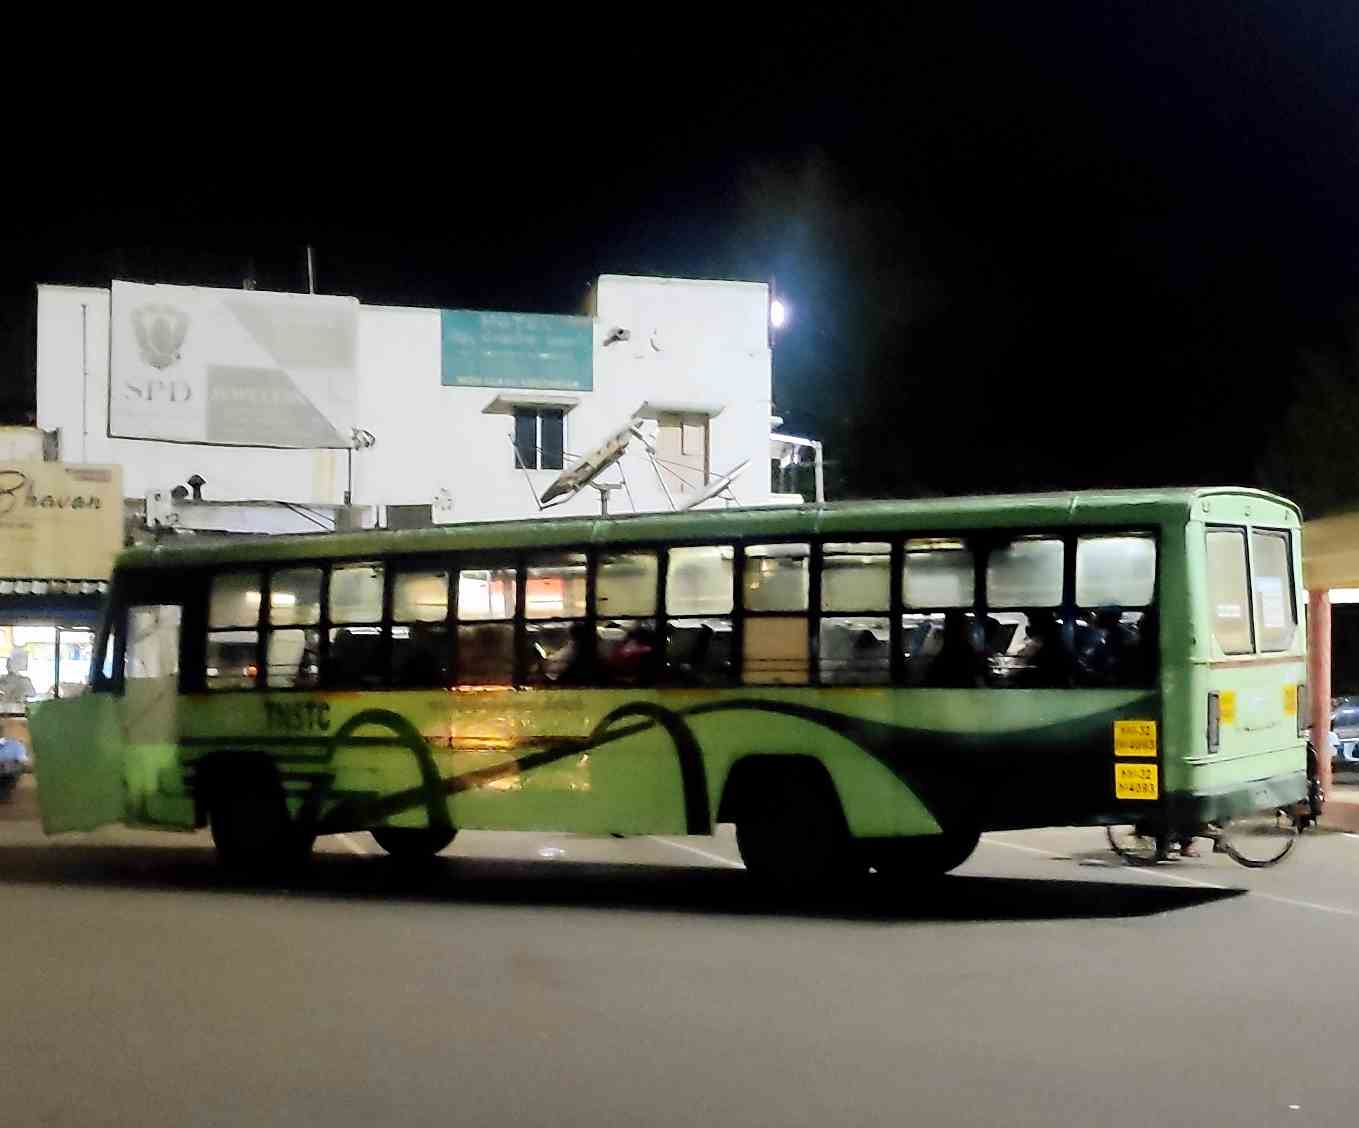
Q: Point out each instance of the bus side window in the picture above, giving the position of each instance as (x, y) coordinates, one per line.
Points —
(1115, 638)
(486, 605)
(698, 600)
(558, 646)
(152, 643)
(854, 631)
(420, 645)
(292, 654)
(1026, 635)
(775, 589)
(940, 633)
(627, 647)
(356, 658)
(233, 630)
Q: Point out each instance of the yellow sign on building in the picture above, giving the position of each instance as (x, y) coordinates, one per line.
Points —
(59, 521)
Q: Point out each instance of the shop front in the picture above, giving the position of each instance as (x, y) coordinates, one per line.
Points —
(60, 527)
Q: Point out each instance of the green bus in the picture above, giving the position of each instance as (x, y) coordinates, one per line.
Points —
(856, 686)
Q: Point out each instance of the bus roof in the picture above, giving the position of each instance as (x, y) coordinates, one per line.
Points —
(1051, 510)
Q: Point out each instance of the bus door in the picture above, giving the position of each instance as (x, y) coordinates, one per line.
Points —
(102, 757)
(78, 749)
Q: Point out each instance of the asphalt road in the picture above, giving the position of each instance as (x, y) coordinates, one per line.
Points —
(553, 980)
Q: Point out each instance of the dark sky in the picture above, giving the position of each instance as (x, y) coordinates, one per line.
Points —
(1026, 244)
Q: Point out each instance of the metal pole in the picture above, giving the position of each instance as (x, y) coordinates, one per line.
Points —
(820, 471)
(85, 379)
(1319, 681)
(311, 272)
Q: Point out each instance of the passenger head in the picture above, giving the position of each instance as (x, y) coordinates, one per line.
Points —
(1108, 618)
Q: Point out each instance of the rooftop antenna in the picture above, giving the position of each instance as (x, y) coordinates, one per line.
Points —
(586, 471)
(718, 487)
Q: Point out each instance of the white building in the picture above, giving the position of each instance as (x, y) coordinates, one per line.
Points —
(690, 359)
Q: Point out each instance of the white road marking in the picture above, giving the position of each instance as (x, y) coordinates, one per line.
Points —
(1148, 872)
(352, 846)
(701, 853)
(1336, 909)
(1159, 872)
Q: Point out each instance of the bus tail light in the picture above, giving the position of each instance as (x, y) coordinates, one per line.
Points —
(1214, 722)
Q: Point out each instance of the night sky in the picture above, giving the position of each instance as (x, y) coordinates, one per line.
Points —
(1026, 245)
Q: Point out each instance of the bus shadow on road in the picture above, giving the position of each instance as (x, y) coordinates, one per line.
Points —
(558, 884)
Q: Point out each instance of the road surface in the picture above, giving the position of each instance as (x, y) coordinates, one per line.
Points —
(552, 980)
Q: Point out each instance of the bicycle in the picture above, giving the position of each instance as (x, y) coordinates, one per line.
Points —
(1255, 840)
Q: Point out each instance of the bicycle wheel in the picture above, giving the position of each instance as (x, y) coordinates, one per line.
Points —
(1260, 839)
(1136, 845)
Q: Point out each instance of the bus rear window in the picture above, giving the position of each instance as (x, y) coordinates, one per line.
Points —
(1276, 619)
(1227, 590)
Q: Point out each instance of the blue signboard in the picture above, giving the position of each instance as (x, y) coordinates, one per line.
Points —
(549, 351)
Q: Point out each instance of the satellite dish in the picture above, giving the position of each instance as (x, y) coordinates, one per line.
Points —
(589, 467)
(715, 487)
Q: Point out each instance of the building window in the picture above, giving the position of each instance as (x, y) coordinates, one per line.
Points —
(539, 438)
(682, 449)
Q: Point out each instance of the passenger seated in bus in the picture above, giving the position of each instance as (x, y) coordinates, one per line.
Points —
(355, 659)
(1044, 660)
(961, 660)
(851, 654)
(700, 655)
(415, 660)
(630, 660)
(568, 664)
(920, 643)
(1104, 648)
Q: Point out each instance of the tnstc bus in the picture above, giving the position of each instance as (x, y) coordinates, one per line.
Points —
(855, 686)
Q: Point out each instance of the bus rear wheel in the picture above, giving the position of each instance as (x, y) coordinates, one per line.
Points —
(252, 829)
(791, 831)
(410, 844)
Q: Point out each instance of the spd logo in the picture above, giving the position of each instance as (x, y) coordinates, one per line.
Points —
(160, 331)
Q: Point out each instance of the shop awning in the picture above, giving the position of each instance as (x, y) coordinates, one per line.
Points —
(1330, 552)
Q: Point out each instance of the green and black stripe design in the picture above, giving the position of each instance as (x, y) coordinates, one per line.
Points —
(1058, 771)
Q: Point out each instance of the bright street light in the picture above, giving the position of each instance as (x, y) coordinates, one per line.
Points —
(778, 314)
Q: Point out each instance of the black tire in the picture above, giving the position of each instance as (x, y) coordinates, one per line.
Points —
(791, 830)
(8, 785)
(1262, 839)
(251, 827)
(925, 856)
(1138, 845)
(412, 844)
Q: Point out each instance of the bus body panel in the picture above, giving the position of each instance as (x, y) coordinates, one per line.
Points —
(554, 760)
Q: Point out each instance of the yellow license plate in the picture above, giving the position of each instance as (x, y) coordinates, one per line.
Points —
(1135, 781)
(1134, 738)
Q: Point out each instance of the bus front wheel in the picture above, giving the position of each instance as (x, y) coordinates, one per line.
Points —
(251, 827)
(412, 843)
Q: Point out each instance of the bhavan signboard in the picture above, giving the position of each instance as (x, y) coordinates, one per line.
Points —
(59, 521)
